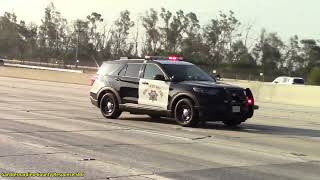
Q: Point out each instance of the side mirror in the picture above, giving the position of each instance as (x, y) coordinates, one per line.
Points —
(159, 77)
(172, 78)
(276, 82)
(216, 77)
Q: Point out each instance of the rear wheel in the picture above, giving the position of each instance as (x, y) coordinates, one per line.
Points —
(185, 114)
(109, 106)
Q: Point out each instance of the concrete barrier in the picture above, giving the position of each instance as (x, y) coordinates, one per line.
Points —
(263, 92)
(284, 94)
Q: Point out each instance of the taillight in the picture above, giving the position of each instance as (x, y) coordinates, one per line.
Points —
(93, 79)
(250, 99)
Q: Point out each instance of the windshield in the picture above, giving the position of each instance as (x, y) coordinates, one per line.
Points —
(182, 72)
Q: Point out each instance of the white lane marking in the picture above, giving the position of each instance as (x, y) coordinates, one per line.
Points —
(156, 177)
(162, 134)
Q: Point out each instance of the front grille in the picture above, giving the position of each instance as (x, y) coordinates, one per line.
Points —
(236, 96)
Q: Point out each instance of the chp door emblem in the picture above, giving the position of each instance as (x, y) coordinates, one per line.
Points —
(153, 92)
(153, 95)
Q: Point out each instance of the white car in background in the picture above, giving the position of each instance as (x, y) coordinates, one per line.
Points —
(289, 80)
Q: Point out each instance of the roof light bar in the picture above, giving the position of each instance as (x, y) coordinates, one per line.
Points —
(171, 58)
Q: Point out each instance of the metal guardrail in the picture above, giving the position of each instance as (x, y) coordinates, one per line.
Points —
(50, 65)
(44, 68)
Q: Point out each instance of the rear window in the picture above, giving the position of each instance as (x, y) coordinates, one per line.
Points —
(109, 69)
(298, 81)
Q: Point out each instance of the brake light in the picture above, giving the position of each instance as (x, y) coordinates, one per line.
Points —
(249, 95)
(93, 79)
(250, 101)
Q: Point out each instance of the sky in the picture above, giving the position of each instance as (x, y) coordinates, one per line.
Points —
(286, 17)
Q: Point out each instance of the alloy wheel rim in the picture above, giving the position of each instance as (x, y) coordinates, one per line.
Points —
(109, 106)
(185, 113)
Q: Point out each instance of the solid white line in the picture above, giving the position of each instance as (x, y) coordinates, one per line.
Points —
(44, 68)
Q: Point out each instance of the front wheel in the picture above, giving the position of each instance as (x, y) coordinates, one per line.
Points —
(185, 114)
(109, 106)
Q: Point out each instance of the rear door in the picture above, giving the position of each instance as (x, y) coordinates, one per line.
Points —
(153, 92)
(129, 82)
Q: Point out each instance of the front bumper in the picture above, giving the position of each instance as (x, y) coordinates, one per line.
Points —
(94, 101)
(223, 112)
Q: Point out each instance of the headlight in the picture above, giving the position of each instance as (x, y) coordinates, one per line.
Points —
(208, 91)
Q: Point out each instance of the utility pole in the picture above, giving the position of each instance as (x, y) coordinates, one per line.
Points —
(77, 49)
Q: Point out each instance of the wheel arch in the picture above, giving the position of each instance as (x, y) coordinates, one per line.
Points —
(105, 90)
(180, 96)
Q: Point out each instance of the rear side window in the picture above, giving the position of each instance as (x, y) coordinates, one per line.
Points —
(285, 80)
(109, 69)
(298, 81)
(133, 70)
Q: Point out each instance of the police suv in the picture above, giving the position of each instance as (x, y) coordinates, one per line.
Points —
(168, 87)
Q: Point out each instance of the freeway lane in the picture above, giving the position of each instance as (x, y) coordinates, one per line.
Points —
(52, 127)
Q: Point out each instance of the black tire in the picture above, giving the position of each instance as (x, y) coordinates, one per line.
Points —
(109, 106)
(233, 122)
(185, 114)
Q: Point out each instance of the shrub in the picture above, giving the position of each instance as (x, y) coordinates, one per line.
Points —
(314, 76)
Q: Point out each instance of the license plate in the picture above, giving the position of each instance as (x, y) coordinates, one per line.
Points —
(235, 109)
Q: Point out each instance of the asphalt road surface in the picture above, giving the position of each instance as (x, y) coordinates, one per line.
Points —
(52, 127)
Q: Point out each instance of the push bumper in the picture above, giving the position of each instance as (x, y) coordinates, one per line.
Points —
(94, 102)
(222, 112)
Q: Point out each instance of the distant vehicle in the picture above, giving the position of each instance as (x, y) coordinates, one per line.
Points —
(289, 80)
(1, 62)
(168, 87)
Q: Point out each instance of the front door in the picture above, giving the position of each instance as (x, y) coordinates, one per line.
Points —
(154, 93)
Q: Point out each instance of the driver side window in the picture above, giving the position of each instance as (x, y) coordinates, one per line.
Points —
(151, 71)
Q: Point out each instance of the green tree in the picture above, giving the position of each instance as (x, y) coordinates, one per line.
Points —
(219, 35)
(192, 45)
(119, 36)
(172, 31)
(292, 59)
(150, 23)
(52, 33)
(314, 76)
(268, 52)
(310, 54)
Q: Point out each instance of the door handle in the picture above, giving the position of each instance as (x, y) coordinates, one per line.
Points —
(117, 79)
(145, 83)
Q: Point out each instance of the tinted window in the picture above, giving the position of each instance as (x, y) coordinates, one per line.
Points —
(123, 71)
(133, 70)
(186, 72)
(285, 80)
(151, 71)
(298, 81)
(109, 69)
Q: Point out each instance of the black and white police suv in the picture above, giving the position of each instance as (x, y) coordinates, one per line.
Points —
(168, 87)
